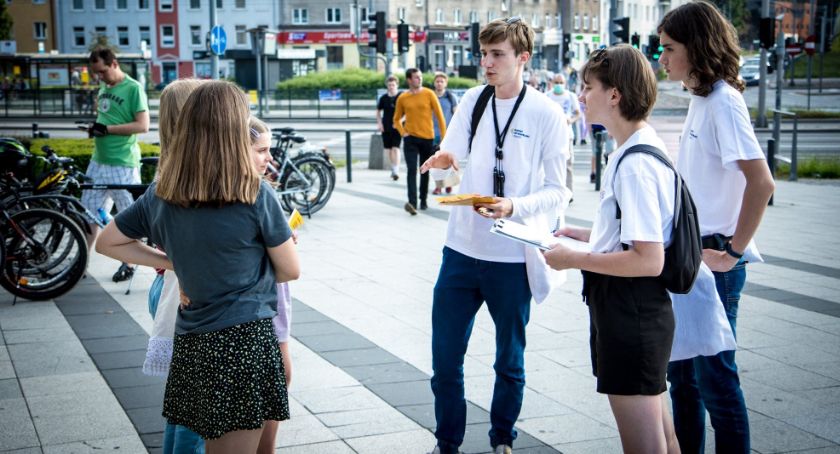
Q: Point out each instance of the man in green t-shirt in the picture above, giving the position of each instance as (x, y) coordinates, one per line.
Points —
(122, 113)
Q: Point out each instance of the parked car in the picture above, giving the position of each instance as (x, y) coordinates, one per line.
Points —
(750, 74)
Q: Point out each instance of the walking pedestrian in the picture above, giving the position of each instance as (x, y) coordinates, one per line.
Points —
(725, 169)
(123, 112)
(413, 119)
(567, 101)
(385, 123)
(517, 152)
(226, 378)
(448, 103)
(631, 320)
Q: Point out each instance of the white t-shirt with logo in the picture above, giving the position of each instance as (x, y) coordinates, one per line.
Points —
(644, 188)
(717, 133)
(535, 151)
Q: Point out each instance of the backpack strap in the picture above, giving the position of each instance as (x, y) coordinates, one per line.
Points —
(660, 155)
(453, 103)
(478, 110)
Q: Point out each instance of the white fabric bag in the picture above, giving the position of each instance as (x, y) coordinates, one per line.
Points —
(159, 350)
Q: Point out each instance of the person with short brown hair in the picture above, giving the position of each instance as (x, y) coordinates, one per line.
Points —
(631, 318)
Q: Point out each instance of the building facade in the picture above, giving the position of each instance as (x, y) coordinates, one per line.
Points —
(33, 29)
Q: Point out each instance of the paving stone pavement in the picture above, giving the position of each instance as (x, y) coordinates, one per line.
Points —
(362, 332)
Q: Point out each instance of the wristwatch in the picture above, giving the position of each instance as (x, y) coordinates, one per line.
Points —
(732, 252)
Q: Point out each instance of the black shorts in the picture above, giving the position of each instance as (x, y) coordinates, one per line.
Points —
(631, 329)
(391, 139)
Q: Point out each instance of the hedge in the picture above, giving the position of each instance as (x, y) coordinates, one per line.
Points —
(82, 149)
(359, 79)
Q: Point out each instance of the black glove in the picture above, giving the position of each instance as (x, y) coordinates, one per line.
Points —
(98, 130)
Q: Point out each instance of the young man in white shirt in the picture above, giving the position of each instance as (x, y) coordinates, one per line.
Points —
(726, 172)
(518, 154)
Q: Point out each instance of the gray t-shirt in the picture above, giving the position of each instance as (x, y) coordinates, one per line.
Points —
(219, 254)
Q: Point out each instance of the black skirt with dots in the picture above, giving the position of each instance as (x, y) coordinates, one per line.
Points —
(226, 380)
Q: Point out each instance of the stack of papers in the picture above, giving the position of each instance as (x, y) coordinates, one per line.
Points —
(534, 237)
(465, 199)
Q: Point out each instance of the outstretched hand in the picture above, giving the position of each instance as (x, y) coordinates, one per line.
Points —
(440, 160)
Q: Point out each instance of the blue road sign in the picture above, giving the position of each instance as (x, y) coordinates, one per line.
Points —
(218, 40)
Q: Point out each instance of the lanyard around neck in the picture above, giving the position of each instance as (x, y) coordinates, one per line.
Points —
(500, 137)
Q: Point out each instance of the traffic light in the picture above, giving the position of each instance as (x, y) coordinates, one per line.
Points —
(567, 40)
(377, 31)
(767, 32)
(654, 50)
(634, 40)
(475, 46)
(620, 30)
(402, 38)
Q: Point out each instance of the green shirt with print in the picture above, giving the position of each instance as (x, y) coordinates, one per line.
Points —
(118, 105)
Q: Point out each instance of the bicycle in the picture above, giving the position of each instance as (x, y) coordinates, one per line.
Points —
(44, 253)
(305, 180)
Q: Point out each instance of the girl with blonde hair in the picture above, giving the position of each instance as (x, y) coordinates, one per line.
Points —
(210, 210)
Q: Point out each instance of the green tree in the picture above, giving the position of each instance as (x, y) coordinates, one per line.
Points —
(736, 12)
(98, 40)
(6, 22)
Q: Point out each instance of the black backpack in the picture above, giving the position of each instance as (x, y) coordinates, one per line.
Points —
(684, 254)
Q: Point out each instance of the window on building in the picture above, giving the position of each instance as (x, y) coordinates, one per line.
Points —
(239, 4)
(122, 5)
(418, 3)
(595, 21)
(363, 15)
(219, 4)
(333, 15)
(40, 29)
(143, 4)
(195, 4)
(456, 16)
(122, 36)
(401, 14)
(195, 35)
(78, 5)
(300, 16)
(167, 36)
(577, 22)
(99, 5)
(439, 16)
(34, 2)
(79, 36)
(535, 20)
(586, 21)
(146, 34)
(547, 19)
(241, 35)
(100, 31)
(473, 16)
(335, 57)
(165, 5)
(490, 15)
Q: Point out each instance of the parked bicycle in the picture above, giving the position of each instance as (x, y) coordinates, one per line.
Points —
(307, 178)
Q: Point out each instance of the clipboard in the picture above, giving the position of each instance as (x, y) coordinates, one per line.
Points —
(515, 231)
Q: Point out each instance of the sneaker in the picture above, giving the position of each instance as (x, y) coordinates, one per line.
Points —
(436, 191)
(592, 177)
(423, 205)
(394, 176)
(503, 449)
(410, 208)
(124, 273)
(449, 189)
(583, 141)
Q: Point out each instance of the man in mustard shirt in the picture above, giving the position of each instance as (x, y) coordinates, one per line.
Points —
(413, 120)
(122, 113)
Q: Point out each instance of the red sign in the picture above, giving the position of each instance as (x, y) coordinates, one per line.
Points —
(337, 37)
(811, 45)
(793, 49)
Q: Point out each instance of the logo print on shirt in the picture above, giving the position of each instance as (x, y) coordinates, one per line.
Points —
(692, 134)
(520, 133)
(104, 105)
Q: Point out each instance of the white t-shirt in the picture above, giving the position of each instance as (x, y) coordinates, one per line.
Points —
(536, 147)
(717, 133)
(644, 188)
(567, 101)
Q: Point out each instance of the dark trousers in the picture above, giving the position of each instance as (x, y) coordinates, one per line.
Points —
(711, 383)
(463, 285)
(414, 148)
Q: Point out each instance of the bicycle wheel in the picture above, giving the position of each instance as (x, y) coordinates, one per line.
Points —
(46, 254)
(307, 185)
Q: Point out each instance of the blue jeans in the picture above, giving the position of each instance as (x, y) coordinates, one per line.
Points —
(463, 285)
(711, 383)
(180, 440)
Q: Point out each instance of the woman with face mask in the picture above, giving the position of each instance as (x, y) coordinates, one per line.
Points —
(569, 103)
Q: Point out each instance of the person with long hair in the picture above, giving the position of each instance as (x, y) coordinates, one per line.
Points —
(727, 174)
(631, 319)
(228, 240)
